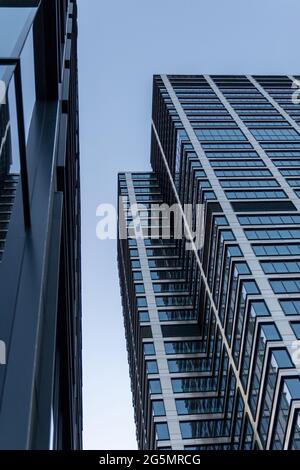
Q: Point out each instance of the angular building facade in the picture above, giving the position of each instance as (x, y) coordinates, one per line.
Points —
(40, 283)
(213, 328)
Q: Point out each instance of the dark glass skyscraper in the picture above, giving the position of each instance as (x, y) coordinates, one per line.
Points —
(40, 283)
(213, 330)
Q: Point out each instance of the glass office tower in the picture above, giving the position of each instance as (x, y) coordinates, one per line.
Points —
(213, 328)
(40, 284)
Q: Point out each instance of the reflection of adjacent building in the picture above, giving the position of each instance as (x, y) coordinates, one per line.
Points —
(40, 272)
(213, 332)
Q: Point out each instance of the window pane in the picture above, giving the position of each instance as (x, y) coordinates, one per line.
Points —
(154, 386)
(152, 367)
(12, 22)
(162, 431)
(296, 329)
(158, 408)
(149, 349)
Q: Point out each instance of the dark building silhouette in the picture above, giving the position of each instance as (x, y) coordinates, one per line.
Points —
(213, 331)
(40, 281)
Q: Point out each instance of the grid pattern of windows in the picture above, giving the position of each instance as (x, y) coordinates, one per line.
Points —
(290, 286)
(212, 305)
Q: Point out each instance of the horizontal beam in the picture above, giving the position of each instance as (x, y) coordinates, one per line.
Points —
(19, 3)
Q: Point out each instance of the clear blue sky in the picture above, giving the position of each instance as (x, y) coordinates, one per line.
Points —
(122, 43)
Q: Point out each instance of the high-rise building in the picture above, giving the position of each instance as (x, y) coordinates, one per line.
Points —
(213, 324)
(40, 283)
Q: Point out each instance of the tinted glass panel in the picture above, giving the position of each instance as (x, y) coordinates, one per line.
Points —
(12, 22)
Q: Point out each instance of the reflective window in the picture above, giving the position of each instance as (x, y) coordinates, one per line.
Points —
(247, 443)
(166, 275)
(275, 134)
(238, 417)
(242, 173)
(257, 308)
(256, 194)
(273, 250)
(289, 286)
(283, 154)
(291, 307)
(280, 267)
(135, 264)
(137, 276)
(170, 287)
(173, 301)
(294, 172)
(284, 234)
(295, 439)
(161, 251)
(296, 328)
(239, 323)
(234, 251)
(158, 408)
(190, 406)
(183, 347)
(12, 23)
(144, 317)
(28, 80)
(149, 349)
(139, 288)
(205, 429)
(228, 146)
(267, 332)
(269, 219)
(237, 163)
(220, 134)
(278, 359)
(134, 253)
(154, 387)
(227, 235)
(141, 302)
(163, 263)
(249, 183)
(188, 365)
(290, 390)
(286, 162)
(281, 145)
(194, 384)
(231, 154)
(151, 367)
(294, 183)
(177, 315)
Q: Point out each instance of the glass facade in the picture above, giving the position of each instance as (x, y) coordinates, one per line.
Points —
(222, 318)
(40, 262)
